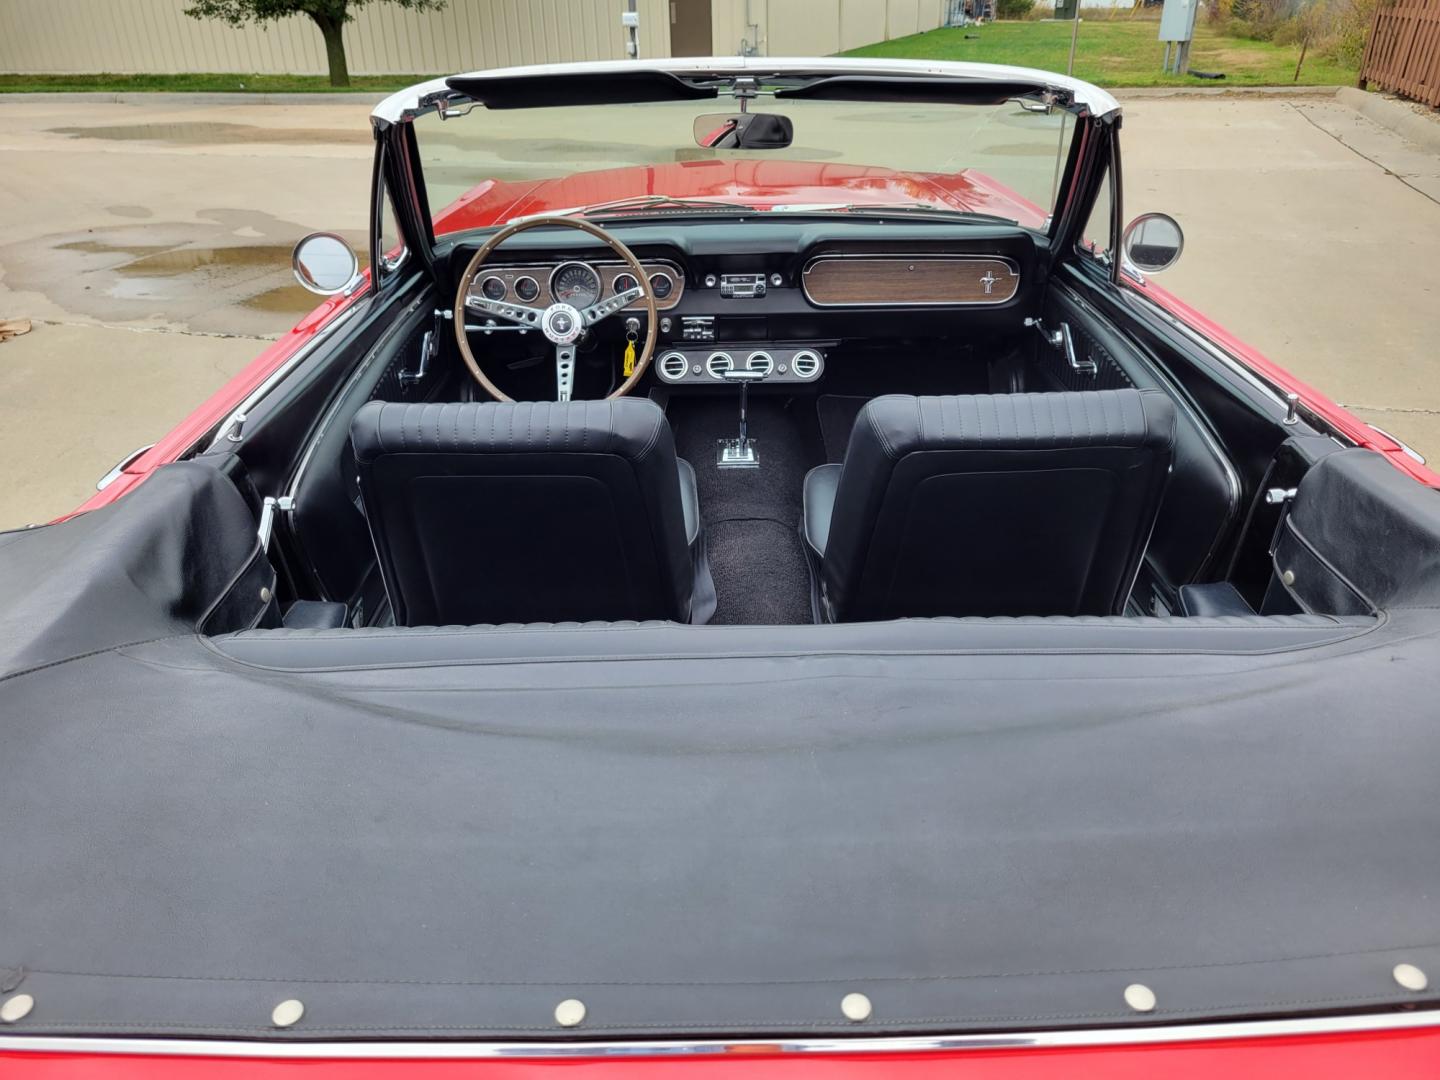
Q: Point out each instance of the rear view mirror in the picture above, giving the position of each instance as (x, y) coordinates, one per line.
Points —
(744, 131)
(324, 264)
(1153, 242)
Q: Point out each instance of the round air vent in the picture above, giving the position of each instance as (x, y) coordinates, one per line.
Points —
(760, 361)
(718, 364)
(673, 366)
(806, 364)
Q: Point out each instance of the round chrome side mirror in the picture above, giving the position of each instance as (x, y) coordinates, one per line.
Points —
(1153, 242)
(324, 264)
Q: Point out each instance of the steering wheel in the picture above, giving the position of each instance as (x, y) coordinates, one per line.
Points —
(561, 324)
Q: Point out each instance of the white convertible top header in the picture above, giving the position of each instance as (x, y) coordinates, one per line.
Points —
(397, 105)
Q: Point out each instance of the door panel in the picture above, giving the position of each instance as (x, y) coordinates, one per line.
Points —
(1203, 496)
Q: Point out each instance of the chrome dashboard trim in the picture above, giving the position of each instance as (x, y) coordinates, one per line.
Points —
(535, 267)
(1149, 1035)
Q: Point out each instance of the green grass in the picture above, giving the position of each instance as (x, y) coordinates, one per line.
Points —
(1117, 51)
(203, 83)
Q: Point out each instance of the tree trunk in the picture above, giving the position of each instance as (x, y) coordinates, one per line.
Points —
(334, 49)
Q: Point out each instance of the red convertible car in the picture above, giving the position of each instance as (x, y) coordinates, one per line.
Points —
(754, 580)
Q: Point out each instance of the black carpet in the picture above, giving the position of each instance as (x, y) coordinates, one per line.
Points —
(752, 516)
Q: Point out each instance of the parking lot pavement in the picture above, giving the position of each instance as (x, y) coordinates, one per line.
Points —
(149, 243)
(1310, 232)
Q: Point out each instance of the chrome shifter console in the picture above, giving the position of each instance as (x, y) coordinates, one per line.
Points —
(740, 452)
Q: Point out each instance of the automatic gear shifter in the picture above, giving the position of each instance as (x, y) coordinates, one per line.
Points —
(740, 453)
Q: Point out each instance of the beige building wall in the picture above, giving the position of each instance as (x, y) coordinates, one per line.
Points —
(155, 36)
(816, 27)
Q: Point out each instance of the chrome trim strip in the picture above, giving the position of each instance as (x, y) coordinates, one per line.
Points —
(451, 1051)
(916, 256)
(134, 455)
(280, 373)
(1233, 363)
(406, 104)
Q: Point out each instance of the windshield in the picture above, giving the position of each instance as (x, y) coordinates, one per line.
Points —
(787, 155)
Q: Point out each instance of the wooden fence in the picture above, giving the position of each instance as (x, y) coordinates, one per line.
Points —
(1403, 53)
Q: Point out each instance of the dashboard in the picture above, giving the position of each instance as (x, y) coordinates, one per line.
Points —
(778, 296)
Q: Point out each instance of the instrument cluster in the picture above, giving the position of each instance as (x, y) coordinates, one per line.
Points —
(578, 284)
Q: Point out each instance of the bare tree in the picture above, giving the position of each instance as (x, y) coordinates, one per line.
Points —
(329, 15)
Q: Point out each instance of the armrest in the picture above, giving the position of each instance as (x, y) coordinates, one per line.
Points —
(315, 615)
(1213, 598)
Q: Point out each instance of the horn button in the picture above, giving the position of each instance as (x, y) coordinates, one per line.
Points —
(562, 324)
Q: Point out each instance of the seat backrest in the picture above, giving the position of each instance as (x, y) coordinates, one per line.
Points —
(1010, 504)
(524, 512)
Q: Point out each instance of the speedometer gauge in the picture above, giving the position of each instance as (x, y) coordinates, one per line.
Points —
(576, 284)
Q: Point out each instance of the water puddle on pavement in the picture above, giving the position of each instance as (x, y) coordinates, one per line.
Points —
(216, 133)
(229, 274)
(165, 272)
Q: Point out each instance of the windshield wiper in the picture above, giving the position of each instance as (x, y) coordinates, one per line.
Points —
(647, 202)
(913, 208)
(638, 202)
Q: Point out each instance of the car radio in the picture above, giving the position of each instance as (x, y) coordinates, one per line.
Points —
(741, 286)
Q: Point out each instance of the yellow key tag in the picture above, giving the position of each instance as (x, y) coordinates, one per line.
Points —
(629, 367)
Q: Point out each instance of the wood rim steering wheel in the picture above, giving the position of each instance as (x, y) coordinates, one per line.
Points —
(561, 324)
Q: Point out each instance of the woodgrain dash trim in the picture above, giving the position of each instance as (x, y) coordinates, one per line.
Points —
(909, 280)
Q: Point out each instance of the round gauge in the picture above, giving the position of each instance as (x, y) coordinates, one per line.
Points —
(527, 288)
(661, 285)
(623, 283)
(576, 284)
(492, 288)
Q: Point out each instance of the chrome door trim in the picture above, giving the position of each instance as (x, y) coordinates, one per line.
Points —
(279, 374)
(285, 1049)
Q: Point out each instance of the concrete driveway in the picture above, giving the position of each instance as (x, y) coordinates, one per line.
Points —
(149, 243)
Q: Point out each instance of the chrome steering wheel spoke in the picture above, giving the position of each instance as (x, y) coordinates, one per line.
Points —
(564, 372)
(516, 313)
(604, 308)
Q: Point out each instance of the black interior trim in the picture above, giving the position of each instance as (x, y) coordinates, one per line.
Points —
(581, 88)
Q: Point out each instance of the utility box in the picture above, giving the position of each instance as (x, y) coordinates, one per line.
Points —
(1067, 9)
(1177, 27)
(1177, 19)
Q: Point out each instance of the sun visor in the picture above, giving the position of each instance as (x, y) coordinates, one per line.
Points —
(581, 88)
(947, 91)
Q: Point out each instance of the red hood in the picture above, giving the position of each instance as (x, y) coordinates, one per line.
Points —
(761, 184)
